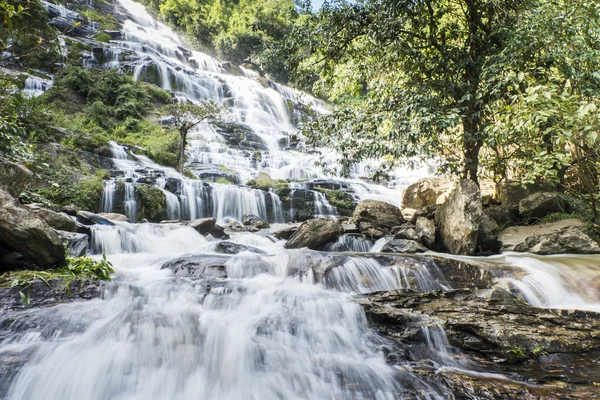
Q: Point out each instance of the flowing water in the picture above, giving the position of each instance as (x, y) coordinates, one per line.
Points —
(275, 323)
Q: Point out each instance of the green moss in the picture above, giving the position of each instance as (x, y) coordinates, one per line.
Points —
(279, 186)
(558, 216)
(516, 354)
(103, 37)
(339, 199)
(223, 181)
(189, 174)
(151, 203)
(104, 20)
(85, 195)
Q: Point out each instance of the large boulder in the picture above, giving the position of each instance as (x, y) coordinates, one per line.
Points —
(89, 218)
(425, 192)
(562, 237)
(374, 215)
(207, 226)
(56, 220)
(458, 219)
(314, 234)
(511, 193)
(538, 205)
(284, 231)
(254, 221)
(28, 234)
(114, 217)
(14, 178)
(76, 243)
(403, 246)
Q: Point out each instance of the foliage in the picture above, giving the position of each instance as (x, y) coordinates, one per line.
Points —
(234, 30)
(12, 122)
(186, 116)
(151, 202)
(79, 268)
(104, 20)
(85, 194)
(222, 180)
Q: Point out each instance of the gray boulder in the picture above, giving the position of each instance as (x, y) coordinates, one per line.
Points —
(56, 220)
(425, 192)
(14, 178)
(284, 231)
(403, 246)
(511, 193)
(426, 230)
(408, 232)
(207, 226)
(538, 205)
(254, 221)
(375, 217)
(314, 234)
(77, 244)
(227, 247)
(114, 217)
(458, 219)
(28, 234)
(89, 218)
(487, 238)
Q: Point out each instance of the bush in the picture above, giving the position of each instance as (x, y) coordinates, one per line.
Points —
(151, 203)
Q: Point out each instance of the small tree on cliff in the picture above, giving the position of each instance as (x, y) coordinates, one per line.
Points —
(185, 117)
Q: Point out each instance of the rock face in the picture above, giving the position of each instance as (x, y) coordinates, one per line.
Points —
(14, 178)
(374, 215)
(562, 237)
(425, 192)
(426, 230)
(458, 219)
(501, 330)
(403, 246)
(76, 243)
(56, 220)
(538, 205)
(254, 221)
(27, 234)
(314, 234)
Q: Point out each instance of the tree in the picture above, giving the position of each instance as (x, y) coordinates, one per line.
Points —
(185, 117)
(408, 77)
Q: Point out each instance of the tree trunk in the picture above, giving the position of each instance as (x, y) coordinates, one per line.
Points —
(181, 154)
(471, 146)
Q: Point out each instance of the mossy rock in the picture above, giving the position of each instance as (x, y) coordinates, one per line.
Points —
(151, 203)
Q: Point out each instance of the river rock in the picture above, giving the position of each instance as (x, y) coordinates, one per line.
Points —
(377, 216)
(487, 237)
(76, 243)
(227, 247)
(114, 217)
(56, 220)
(207, 226)
(403, 246)
(561, 237)
(314, 234)
(70, 209)
(199, 267)
(407, 231)
(511, 193)
(89, 218)
(538, 205)
(458, 219)
(255, 221)
(28, 234)
(425, 192)
(284, 232)
(14, 178)
(426, 230)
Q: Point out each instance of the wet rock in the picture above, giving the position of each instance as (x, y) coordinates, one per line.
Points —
(426, 230)
(14, 178)
(51, 294)
(235, 226)
(487, 237)
(572, 240)
(425, 192)
(458, 219)
(114, 217)
(255, 221)
(56, 220)
(89, 218)
(11, 260)
(70, 210)
(76, 243)
(199, 267)
(511, 193)
(28, 234)
(301, 206)
(284, 232)
(403, 246)
(315, 233)
(350, 228)
(377, 215)
(203, 225)
(538, 205)
(408, 232)
(227, 247)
